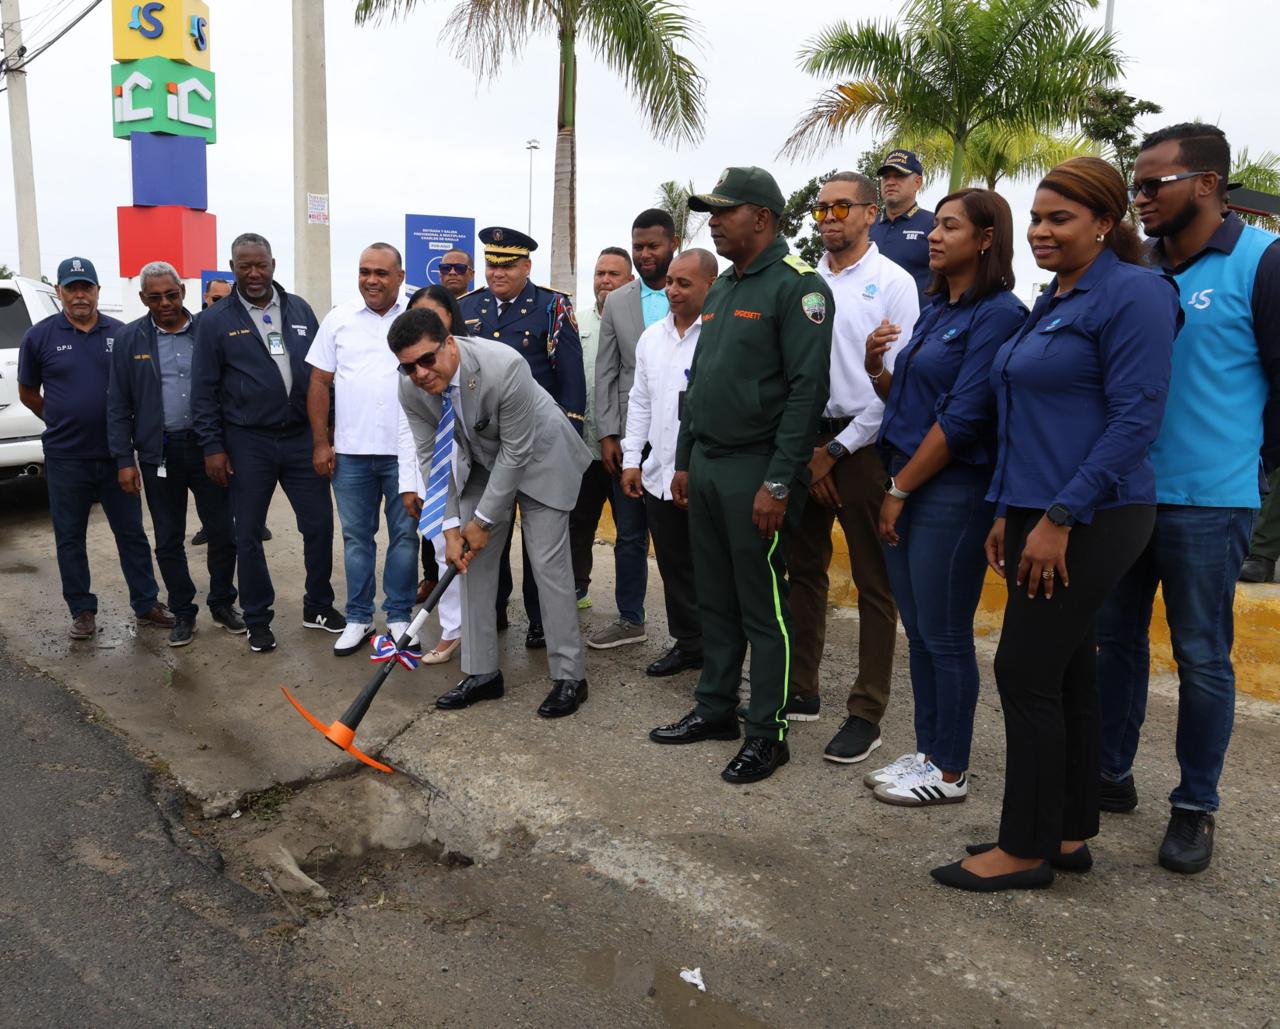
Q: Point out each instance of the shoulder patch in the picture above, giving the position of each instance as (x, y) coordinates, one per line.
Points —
(814, 306)
(797, 264)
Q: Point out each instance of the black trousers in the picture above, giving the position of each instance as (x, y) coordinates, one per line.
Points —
(669, 526)
(167, 502)
(1046, 671)
(584, 519)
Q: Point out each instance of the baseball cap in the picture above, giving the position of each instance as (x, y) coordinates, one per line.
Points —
(77, 269)
(741, 186)
(904, 161)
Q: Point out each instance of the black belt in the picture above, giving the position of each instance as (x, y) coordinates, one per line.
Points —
(833, 426)
(179, 437)
(279, 429)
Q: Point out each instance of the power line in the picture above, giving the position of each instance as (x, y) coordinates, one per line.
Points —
(26, 57)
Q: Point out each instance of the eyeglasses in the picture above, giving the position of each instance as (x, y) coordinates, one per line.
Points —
(427, 360)
(1150, 187)
(455, 269)
(839, 210)
(170, 297)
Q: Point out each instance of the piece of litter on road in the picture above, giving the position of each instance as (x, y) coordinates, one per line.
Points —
(236, 813)
(694, 978)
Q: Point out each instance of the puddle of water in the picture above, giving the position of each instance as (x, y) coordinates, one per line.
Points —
(681, 1004)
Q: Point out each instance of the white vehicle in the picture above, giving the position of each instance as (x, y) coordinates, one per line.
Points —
(23, 302)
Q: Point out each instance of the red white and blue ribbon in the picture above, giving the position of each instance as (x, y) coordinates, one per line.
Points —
(384, 649)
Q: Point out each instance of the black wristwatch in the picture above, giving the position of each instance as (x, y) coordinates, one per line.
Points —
(1061, 516)
(837, 450)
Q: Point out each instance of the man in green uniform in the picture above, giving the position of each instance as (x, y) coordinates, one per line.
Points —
(756, 389)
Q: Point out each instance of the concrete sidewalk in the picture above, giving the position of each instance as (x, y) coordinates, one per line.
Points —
(804, 869)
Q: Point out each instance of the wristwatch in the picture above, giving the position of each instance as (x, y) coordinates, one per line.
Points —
(837, 450)
(485, 524)
(891, 488)
(1061, 516)
(778, 490)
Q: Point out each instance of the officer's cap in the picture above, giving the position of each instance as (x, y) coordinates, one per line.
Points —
(77, 269)
(904, 161)
(505, 246)
(738, 186)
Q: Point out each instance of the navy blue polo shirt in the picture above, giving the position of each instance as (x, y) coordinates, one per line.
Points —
(72, 368)
(1081, 392)
(943, 376)
(905, 241)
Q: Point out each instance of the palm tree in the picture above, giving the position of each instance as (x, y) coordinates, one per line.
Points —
(673, 197)
(996, 153)
(1261, 173)
(955, 67)
(641, 40)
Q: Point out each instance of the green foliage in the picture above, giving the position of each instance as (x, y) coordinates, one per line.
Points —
(797, 226)
(951, 67)
(673, 197)
(6, 272)
(1261, 173)
(1110, 119)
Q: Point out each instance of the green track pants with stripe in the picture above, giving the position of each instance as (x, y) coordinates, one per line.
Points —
(742, 591)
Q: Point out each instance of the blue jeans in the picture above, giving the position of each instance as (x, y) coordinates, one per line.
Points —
(361, 484)
(936, 571)
(1196, 554)
(630, 554)
(74, 484)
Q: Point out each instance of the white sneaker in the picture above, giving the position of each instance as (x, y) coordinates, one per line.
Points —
(353, 638)
(923, 787)
(397, 629)
(891, 771)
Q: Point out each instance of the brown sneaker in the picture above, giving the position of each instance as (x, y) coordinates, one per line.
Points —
(159, 616)
(84, 626)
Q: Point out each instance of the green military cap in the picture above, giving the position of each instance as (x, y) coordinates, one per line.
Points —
(741, 186)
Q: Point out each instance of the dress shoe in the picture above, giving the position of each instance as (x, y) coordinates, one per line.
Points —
(564, 699)
(84, 626)
(960, 878)
(758, 759)
(1188, 841)
(159, 616)
(472, 690)
(1079, 860)
(1258, 569)
(200, 538)
(1119, 797)
(694, 729)
(534, 638)
(672, 662)
(181, 633)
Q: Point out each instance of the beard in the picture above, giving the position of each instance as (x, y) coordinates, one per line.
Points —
(1176, 222)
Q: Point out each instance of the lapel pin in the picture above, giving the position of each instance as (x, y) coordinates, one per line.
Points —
(471, 382)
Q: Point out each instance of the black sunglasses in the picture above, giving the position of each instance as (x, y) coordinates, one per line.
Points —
(427, 360)
(1150, 187)
(155, 298)
(455, 269)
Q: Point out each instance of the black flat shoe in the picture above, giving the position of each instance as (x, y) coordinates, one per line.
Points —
(758, 759)
(566, 696)
(534, 638)
(673, 662)
(472, 690)
(693, 729)
(1079, 860)
(961, 878)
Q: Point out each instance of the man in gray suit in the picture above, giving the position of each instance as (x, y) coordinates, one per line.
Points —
(628, 311)
(487, 436)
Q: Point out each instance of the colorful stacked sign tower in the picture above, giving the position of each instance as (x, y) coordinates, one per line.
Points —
(163, 103)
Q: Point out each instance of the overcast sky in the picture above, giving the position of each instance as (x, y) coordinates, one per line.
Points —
(410, 129)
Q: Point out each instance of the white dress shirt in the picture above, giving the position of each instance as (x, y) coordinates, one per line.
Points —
(866, 293)
(663, 357)
(352, 345)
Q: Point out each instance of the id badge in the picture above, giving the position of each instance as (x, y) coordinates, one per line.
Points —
(162, 472)
(275, 344)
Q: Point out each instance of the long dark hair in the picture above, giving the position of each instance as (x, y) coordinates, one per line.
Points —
(1094, 183)
(987, 209)
(441, 296)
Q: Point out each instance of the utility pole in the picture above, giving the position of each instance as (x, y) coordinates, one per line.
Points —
(1111, 14)
(24, 176)
(531, 145)
(312, 277)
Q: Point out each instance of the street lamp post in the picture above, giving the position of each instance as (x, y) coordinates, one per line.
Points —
(531, 145)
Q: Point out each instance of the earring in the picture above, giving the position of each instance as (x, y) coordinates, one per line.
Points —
(1101, 238)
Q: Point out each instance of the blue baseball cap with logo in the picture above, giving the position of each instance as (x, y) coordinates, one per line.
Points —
(77, 269)
(904, 161)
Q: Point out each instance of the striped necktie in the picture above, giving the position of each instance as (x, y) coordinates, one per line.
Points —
(431, 522)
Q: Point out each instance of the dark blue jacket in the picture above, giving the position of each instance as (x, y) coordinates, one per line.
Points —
(135, 407)
(236, 382)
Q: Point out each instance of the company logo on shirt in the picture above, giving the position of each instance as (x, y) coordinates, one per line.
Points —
(1054, 324)
(1200, 299)
(871, 291)
(111, 343)
(912, 234)
(949, 333)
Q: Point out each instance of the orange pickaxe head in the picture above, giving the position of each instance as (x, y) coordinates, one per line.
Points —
(338, 734)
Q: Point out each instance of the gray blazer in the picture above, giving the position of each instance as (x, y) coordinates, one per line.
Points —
(506, 424)
(620, 327)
